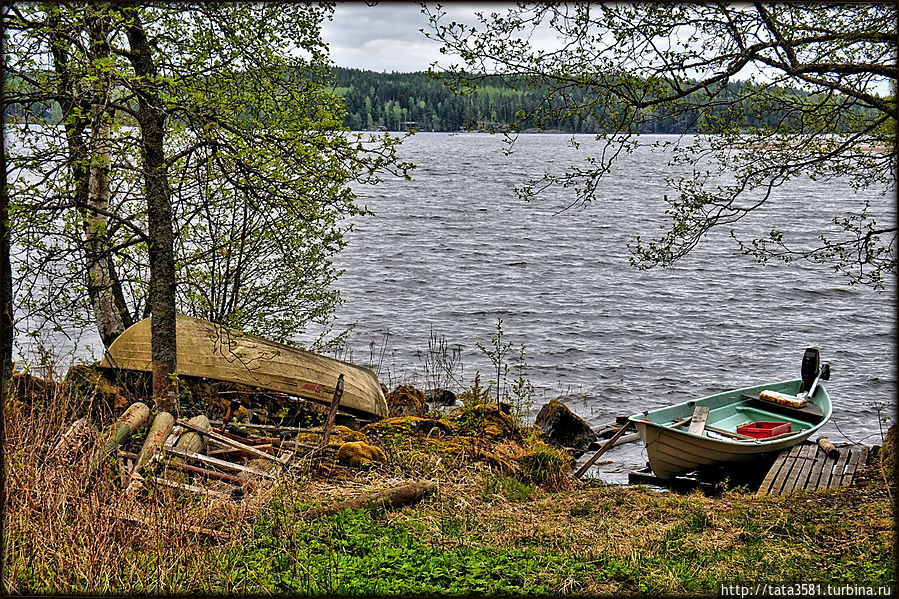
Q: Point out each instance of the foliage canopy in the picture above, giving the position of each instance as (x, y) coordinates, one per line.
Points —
(827, 71)
(259, 163)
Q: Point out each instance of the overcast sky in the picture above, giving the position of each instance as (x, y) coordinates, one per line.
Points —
(386, 37)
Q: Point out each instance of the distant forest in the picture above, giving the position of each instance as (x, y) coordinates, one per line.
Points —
(415, 101)
(405, 101)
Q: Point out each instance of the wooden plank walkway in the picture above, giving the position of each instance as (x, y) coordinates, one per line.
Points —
(806, 466)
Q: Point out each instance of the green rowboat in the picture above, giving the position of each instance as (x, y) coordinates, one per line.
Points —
(672, 448)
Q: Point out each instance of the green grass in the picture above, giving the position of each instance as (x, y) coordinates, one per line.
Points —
(483, 531)
(352, 553)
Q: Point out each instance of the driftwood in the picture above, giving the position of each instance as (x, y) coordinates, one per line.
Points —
(828, 447)
(390, 498)
(124, 427)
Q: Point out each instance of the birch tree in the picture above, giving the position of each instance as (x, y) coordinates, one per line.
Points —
(192, 155)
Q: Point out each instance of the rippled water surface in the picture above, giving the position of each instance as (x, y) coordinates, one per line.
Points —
(455, 249)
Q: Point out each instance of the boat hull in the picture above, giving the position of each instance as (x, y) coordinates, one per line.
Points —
(211, 351)
(673, 451)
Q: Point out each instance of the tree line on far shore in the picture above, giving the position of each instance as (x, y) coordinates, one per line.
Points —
(423, 102)
(419, 101)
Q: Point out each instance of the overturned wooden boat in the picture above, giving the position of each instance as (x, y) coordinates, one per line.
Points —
(738, 426)
(212, 351)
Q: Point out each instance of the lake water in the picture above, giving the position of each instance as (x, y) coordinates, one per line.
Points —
(454, 250)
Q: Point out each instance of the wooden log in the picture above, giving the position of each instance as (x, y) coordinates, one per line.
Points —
(193, 439)
(700, 416)
(606, 446)
(390, 498)
(73, 443)
(124, 427)
(159, 432)
(332, 413)
(828, 447)
(627, 439)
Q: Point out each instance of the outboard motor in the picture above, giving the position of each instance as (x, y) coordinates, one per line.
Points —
(812, 371)
(811, 362)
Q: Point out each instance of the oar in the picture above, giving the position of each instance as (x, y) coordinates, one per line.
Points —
(607, 446)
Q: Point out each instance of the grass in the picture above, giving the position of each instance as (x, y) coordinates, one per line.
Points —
(487, 530)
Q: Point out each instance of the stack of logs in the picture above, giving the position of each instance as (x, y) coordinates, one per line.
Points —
(192, 447)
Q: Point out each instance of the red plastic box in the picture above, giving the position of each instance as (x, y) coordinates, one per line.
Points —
(763, 430)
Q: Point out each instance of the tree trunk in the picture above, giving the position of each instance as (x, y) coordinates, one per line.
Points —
(387, 499)
(6, 326)
(151, 118)
(99, 267)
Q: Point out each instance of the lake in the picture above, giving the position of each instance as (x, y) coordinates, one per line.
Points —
(453, 250)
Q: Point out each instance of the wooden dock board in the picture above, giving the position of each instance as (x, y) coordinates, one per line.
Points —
(779, 464)
(808, 467)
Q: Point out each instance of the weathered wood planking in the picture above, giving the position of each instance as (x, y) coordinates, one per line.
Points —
(212, 351)
(808, 467)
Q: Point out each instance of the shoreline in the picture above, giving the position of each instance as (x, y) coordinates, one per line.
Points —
(489, 527)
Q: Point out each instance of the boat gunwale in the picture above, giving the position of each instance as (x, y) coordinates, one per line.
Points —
(639, 418)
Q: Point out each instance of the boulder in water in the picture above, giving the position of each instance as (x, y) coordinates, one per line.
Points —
(564, 428)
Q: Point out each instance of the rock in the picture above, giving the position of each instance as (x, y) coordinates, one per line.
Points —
(564, 428)
(442, 397)
(360, 453)
(406, 400)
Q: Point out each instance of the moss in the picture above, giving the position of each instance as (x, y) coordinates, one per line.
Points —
(339, 436)
(487, 420)
(409, 425)
(406, 400)
(359, 453)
